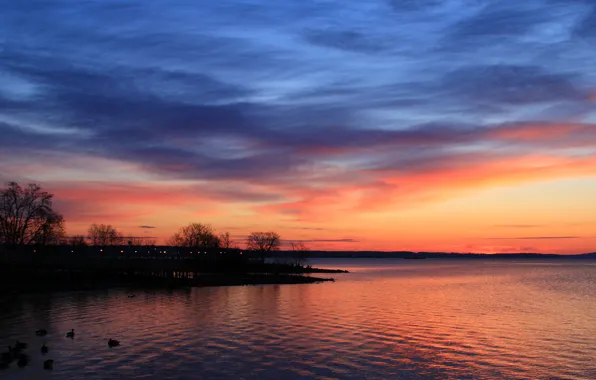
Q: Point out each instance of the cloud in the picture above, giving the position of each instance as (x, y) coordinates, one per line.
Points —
(511, 84)
(148, 227)
(496, 20)
(349, 40)
(535, 238)
(345, 240)
(518, 226)
(587, 27)
(413, 5)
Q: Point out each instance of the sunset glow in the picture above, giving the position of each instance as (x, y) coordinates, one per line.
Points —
(389, 133)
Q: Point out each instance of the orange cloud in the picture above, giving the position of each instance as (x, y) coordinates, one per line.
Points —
(544, 131)
(391, 189)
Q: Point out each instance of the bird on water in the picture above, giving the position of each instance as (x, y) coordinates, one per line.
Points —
(48, 364)
(41, 332)
(70, 334)
(7, 356)
(44, 349)
(113, 343)
(23, 360)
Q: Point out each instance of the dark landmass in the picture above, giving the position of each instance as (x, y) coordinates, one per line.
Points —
(12, 283)
(319, 270)
(292, 269)
(256, 279)
(26, 269)
(60, 268)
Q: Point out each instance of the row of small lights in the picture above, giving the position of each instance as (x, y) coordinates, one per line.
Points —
(121, 251)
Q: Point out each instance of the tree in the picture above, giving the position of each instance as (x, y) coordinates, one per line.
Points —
(225, 240)
(52, 232)
(195, 235)
(299, 252)
(263, 242)
(104, 234)
(77, 241)
(27, 216)
(141, 241)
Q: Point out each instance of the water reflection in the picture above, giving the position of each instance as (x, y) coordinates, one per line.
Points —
(387, 320)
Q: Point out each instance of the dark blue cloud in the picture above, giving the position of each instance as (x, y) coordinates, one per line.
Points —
(349, 40)
(511, 85)
(587, 26)
(500, 20)
(401, 6)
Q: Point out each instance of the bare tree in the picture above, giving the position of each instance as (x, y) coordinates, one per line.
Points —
(263, 242)
(141, 241)
(195, 235)
(299, 252)
(52, 232)
(225, 240)
(27, 216)
(104, 234)
(77, 241)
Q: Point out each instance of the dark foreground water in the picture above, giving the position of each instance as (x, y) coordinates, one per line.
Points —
(390, 319)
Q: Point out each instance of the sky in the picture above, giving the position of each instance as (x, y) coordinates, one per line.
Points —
(425, 125)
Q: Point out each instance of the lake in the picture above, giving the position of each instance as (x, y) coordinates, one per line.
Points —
(388, 319)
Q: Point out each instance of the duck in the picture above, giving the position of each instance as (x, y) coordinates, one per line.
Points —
(41, 332)
(131, 295)
(48, 364)
(44, 349)
(70, 334)
(23, 360)
(7, 356)
(113, 343)
(19, 346)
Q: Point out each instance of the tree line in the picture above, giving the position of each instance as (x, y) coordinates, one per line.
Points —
(27, 217)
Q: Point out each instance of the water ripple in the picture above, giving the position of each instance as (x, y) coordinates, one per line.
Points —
(399, 321)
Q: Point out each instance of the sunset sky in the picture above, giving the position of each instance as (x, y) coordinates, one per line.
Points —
(441, 125)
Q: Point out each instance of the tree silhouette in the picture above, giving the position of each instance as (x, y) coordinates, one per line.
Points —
(299, 252)
(141, 241)
(27, 216)
(225, 240)
(263, 242)
(195, 235)
(104, 235)
(77, 241)
(52, 232)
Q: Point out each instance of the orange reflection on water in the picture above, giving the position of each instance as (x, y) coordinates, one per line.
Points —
(387, 319)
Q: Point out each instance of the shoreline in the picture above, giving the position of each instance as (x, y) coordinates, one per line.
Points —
(15, 283)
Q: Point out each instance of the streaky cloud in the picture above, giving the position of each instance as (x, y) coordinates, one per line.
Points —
(536, 238)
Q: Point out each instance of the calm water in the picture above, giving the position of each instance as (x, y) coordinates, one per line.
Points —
(400, 319)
